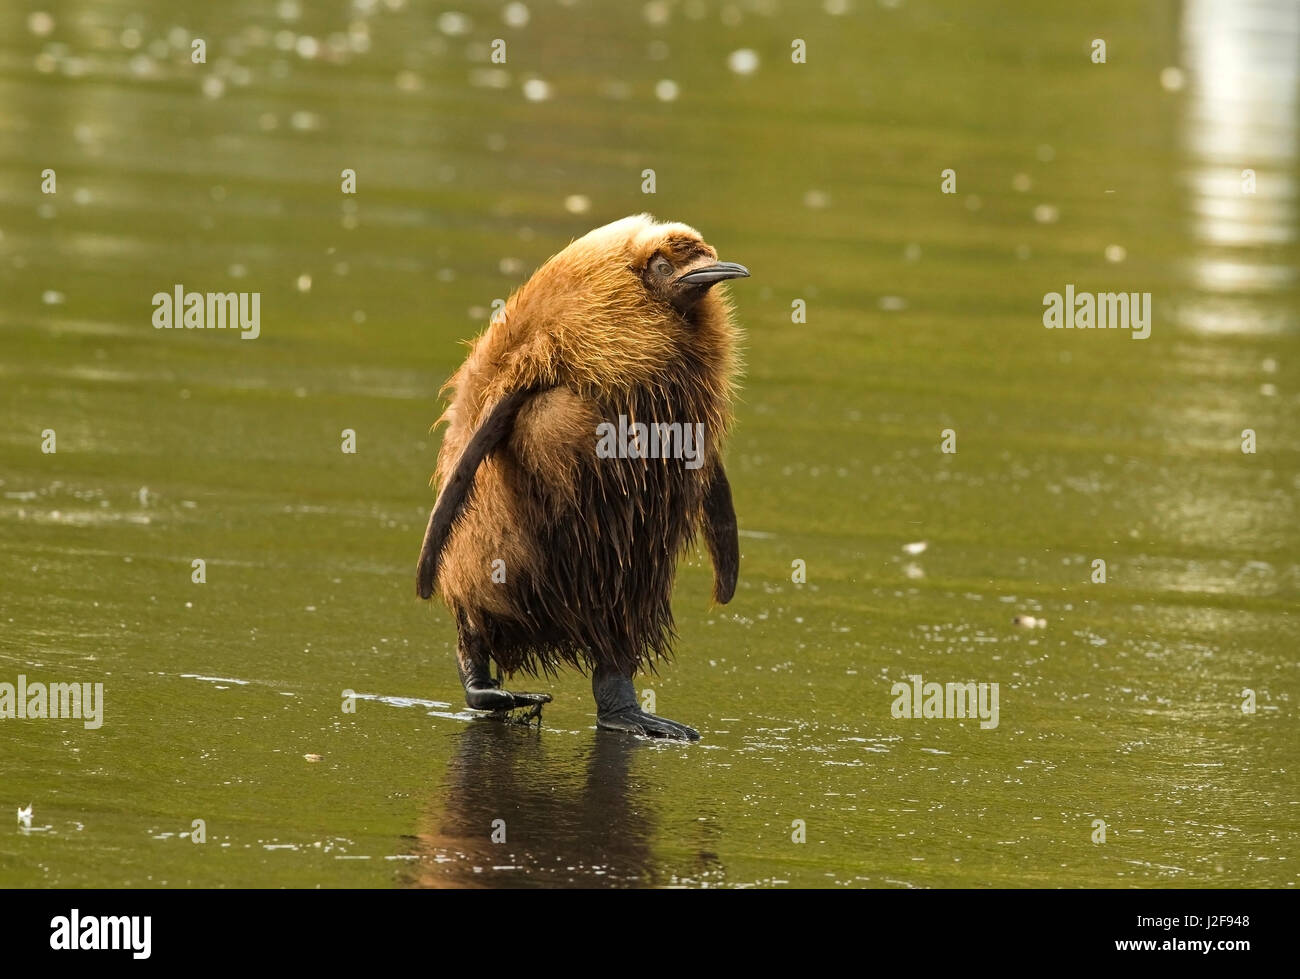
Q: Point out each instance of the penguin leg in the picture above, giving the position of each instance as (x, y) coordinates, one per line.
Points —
(618, 710)
(482, 692)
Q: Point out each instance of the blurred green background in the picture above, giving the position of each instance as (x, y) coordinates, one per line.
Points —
(923, 314)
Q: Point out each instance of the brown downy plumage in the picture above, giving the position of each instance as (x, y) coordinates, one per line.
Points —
(621, 322)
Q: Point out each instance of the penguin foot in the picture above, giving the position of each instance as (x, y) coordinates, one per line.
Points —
(618, 710)
(482, 692)
(494, 698)
(633, 720)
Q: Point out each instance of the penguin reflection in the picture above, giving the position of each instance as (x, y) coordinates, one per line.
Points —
(557, 826)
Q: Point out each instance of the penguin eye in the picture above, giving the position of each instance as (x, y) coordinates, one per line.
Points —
(663, 267)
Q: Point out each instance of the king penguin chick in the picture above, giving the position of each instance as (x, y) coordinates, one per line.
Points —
(551, 542)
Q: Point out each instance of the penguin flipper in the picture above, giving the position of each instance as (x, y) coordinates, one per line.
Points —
(455, 492)
(720, 536)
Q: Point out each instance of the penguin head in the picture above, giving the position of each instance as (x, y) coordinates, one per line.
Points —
(644, 268)
(617, 307)
(677, 266)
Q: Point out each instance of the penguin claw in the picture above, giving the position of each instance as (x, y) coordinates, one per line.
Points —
(633, 720)
(524, 716)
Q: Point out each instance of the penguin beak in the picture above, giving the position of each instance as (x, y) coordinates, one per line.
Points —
(706, 275)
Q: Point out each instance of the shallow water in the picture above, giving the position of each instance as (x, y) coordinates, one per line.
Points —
(923, 314)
